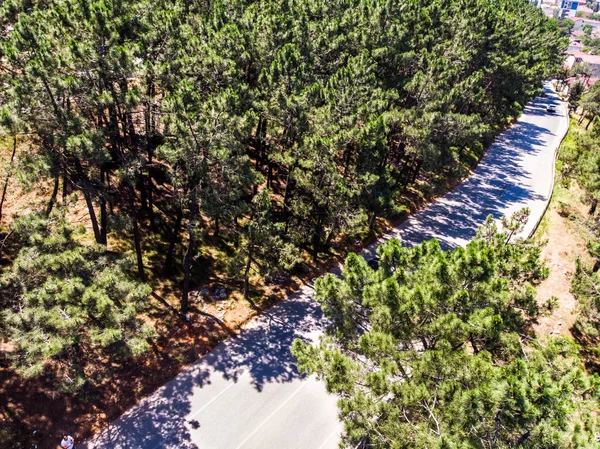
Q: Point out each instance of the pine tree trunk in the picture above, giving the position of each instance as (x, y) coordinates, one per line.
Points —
(141, 185)
(317, 238)
(173, 241)
(236, 232)
(65, 185)
(151, 200)
(137, 239)
(187, 258)
(289, 186)
(53, 196)
(85, 187)
(247, 271)
(12, 157)
(416, 171)
(372, 221)
(473, 345)
(593, 207)
(589, 123)
(269, 173)
(92, 213)
(258, 143)
(150, 149)
(103, 215)
(187, 264)
(216, 233)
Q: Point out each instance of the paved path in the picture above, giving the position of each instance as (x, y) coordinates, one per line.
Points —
(247, 393)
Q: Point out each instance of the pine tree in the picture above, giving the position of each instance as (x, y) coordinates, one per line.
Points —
(429, 351)
(65, 302)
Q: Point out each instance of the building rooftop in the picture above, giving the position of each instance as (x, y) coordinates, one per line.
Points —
(584, 57)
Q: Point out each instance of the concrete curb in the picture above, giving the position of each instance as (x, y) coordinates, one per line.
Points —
(551, 192)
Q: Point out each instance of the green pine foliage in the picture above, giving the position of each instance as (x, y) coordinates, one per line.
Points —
(433, 350)
(69, 302)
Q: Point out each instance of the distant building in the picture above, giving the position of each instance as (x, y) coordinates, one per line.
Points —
(580, 22)
(570, 62)
(568, 8)
(578, 57)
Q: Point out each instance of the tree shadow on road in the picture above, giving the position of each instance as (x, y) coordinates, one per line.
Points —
(262, 351)
(497, 184)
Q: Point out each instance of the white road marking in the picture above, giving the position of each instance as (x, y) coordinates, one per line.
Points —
(204, 406)
(212, 400)
(268, 418)
(332, 434)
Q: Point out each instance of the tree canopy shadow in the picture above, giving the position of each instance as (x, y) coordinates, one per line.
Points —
(497, 184)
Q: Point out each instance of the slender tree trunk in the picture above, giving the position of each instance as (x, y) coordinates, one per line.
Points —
(372, 220)
(187, 258)
(475, 348)
(590, 122)
(331, 234)
(236, 239)
(8, 174)
(263, 139)
(53, 196)
(141, 185)
(216, 233)
(151, 198)
(103, 215)
(258, 143)
(289, 186)
(65, 185)
(593, 206)
(92, 213)
(137, 239)
(269, 173)
(187, 266)
(416, 171)
(317, 235)
(173, 241)
(247, 271)
(150, 148)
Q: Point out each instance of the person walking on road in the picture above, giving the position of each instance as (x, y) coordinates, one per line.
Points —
(67, 442)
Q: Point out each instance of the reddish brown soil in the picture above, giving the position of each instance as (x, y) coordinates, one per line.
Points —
(565, 236)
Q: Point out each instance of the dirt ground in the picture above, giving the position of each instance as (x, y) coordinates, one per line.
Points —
(564, 236)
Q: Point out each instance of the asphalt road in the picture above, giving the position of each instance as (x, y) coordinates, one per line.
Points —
(247, 393)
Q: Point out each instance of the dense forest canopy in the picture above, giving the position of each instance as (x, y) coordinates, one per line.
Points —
(274, 126)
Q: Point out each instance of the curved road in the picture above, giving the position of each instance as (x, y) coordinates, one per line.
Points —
(247, 393)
